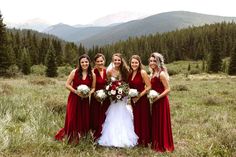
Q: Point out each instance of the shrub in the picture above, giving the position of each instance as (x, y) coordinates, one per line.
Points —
(55, 105)
(13, 71)
(64, 70)
(212, 100)
(195, 71)
(172, 72)
(180, 88)
(38, 69)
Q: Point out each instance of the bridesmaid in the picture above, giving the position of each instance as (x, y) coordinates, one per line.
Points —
(162, 139)
(138, 79)
(98, 109)
(77, 112)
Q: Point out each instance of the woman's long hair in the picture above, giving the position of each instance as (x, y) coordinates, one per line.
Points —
(89, 68)
(124, 70)
(160, 63)
(137, 57)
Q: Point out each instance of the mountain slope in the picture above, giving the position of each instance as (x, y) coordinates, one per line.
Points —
(162, 22)
(157, 23)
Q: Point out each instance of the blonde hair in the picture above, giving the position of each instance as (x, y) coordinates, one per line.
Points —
(160, 63)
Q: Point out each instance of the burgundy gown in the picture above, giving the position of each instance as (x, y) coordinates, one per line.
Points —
(141, 111)
(98, 110)
(162, 139)
(77, 113)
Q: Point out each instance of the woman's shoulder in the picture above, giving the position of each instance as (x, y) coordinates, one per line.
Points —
(109, 72)
(143, 72)
(74, 71)
(162, 75)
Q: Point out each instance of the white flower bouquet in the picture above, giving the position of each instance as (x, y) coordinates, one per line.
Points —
(152, 94)
(100, 95)
(83, 90)
(133, 93)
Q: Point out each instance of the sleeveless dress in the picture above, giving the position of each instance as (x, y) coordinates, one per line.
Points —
(118, 129)
(97, 110)
(141, 111)
(162, 139)
(77, 113)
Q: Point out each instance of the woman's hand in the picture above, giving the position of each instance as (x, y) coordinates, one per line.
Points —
(82, 95)
(155, 99)
(135, 99)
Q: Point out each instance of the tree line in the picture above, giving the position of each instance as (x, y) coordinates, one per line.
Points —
(22, 49)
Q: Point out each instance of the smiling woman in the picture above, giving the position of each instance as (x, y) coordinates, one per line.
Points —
(138, 79)
(77, 112)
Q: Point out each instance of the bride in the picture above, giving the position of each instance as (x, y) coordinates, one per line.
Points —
(118, 128)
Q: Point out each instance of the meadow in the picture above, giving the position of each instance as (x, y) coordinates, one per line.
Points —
(203, 112)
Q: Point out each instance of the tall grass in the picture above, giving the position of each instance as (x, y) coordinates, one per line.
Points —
(203, 109)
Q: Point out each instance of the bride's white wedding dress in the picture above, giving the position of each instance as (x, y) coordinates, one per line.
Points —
(118, 128)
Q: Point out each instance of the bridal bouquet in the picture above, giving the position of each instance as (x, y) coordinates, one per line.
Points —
(100, 95)
(83, 90)
(152, 94)
(117, 90)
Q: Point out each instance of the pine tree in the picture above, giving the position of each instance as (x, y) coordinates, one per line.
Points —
(58, 51)
(51, 70)
(215, 61)
(232, 63)
(203, 65)
(5, 58)
(189, 67)
(26, 62)
(70, 55)
(44, 46)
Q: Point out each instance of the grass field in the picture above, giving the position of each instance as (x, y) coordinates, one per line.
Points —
(203, 110)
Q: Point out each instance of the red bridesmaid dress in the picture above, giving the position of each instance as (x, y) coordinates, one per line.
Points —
(77, 113)
(98, 110)
(162, 139)
(141, 111)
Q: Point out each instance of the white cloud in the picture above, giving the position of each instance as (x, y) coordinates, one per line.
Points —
(86, 11)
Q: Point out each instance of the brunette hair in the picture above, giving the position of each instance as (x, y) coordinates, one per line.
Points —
(124, 70)
(137, 57)
(89, 68)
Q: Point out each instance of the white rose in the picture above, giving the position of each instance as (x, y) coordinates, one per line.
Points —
(118, 97)
(113, 92)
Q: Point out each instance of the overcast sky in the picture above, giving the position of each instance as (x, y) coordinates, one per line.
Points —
(86, 11)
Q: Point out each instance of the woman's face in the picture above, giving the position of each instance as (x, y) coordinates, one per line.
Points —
(100, 62)
(84, 63)
(152, 63)
(117, 61)
(134, 64)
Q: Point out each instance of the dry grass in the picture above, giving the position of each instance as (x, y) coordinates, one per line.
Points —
(203, 110)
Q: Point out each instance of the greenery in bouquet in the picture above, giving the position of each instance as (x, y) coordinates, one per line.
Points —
(117, 90)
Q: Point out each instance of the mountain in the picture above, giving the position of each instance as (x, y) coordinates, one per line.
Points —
(61, 30)
(34, 24)
(160, 23)
(80, 32)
